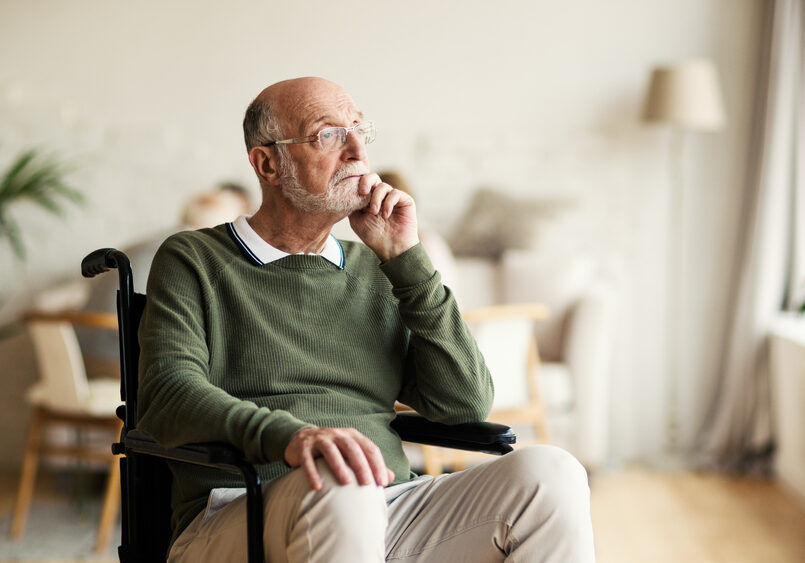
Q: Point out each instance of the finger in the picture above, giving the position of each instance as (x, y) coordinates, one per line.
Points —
(367, 182)
(379, 193)
(356, 458)
(311, 471)
(391, 475)
(375, 459)
(390, 202)
(332, 455)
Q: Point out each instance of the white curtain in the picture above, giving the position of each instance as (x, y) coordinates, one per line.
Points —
(770, 275)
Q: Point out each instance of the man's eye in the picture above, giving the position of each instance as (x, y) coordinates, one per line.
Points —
(326, 134)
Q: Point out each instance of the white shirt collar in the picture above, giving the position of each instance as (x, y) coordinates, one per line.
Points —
(260, 252)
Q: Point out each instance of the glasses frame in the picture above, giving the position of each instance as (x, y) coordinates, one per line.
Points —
(317, 137)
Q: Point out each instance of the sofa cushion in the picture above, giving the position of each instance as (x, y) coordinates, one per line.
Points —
(504, 344)
(495, 222)
(555, 387)
(526, 277)
(477, 283)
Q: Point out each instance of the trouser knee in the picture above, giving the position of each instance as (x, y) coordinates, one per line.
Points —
(550, 473)
(350, 509)
(555, 516)
(334, 524)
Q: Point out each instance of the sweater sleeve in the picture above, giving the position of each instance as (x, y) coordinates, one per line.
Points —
(177, 402)
(446, 377)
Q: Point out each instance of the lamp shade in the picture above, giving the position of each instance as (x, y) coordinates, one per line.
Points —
(687, 95)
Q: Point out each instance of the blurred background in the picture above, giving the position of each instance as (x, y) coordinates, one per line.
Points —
(524, 112)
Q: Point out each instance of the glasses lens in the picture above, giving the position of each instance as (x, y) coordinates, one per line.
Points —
(332, 138)
(366, 130)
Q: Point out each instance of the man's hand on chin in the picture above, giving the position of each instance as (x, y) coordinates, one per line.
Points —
(388, 223)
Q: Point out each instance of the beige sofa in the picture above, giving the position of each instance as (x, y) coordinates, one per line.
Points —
(575, 344)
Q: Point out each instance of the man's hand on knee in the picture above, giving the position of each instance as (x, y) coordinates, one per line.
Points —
(345, 450)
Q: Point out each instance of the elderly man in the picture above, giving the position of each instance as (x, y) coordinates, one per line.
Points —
(270, 334)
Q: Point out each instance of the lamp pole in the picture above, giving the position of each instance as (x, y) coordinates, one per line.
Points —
(675, 305)
(686, 96)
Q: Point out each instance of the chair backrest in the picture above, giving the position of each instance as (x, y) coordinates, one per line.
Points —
(557, 282)
(63, 379)
(130, 311)
(145, 481)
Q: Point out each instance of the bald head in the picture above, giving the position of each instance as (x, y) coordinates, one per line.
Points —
(288, 95)
(287, 108)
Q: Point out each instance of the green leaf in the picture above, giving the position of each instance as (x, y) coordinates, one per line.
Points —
(39, 178)
(10, 182)
(10, 230)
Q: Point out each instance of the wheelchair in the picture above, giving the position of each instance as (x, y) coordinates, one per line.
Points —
(145, 479)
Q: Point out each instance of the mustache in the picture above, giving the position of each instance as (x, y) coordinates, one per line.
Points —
(347, 170)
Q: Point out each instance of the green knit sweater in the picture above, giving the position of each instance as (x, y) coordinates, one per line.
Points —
(249, 355)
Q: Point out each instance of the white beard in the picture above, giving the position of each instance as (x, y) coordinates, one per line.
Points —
(341, 198)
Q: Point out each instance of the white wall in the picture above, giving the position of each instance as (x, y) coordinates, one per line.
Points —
(535, 97)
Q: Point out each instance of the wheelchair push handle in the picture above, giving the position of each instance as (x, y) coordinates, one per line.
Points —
(102, 260)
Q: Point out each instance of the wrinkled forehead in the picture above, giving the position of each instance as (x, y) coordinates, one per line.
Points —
(305, 112)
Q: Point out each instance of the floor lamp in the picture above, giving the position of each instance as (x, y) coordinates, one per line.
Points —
(686, 97)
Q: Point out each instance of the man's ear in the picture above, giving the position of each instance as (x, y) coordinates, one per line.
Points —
(264, 165)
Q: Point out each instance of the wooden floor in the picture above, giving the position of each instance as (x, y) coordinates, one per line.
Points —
(642, 516)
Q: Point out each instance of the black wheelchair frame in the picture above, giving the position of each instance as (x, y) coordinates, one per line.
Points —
(144, 474)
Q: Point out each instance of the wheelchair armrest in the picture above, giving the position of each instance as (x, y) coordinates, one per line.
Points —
(487, 437)
(211, 454)
(216, 455)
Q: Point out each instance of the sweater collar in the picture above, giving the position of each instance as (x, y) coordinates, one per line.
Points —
(259, 252)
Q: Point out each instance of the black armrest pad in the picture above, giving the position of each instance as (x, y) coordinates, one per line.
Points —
(213, 454)
(488, 437)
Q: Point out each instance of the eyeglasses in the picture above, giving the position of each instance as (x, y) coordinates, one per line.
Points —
(333, 138)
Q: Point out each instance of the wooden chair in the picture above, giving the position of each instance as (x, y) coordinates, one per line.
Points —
(505, 335)
(63, 397)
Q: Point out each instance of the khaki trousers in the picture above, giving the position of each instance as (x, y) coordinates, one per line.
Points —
(530, 505)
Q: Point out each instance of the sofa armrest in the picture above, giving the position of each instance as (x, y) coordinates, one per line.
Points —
(588, 352)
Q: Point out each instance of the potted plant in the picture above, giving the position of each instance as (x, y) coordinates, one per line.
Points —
(38, 178)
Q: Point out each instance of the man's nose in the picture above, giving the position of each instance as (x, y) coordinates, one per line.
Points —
(354, 147)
